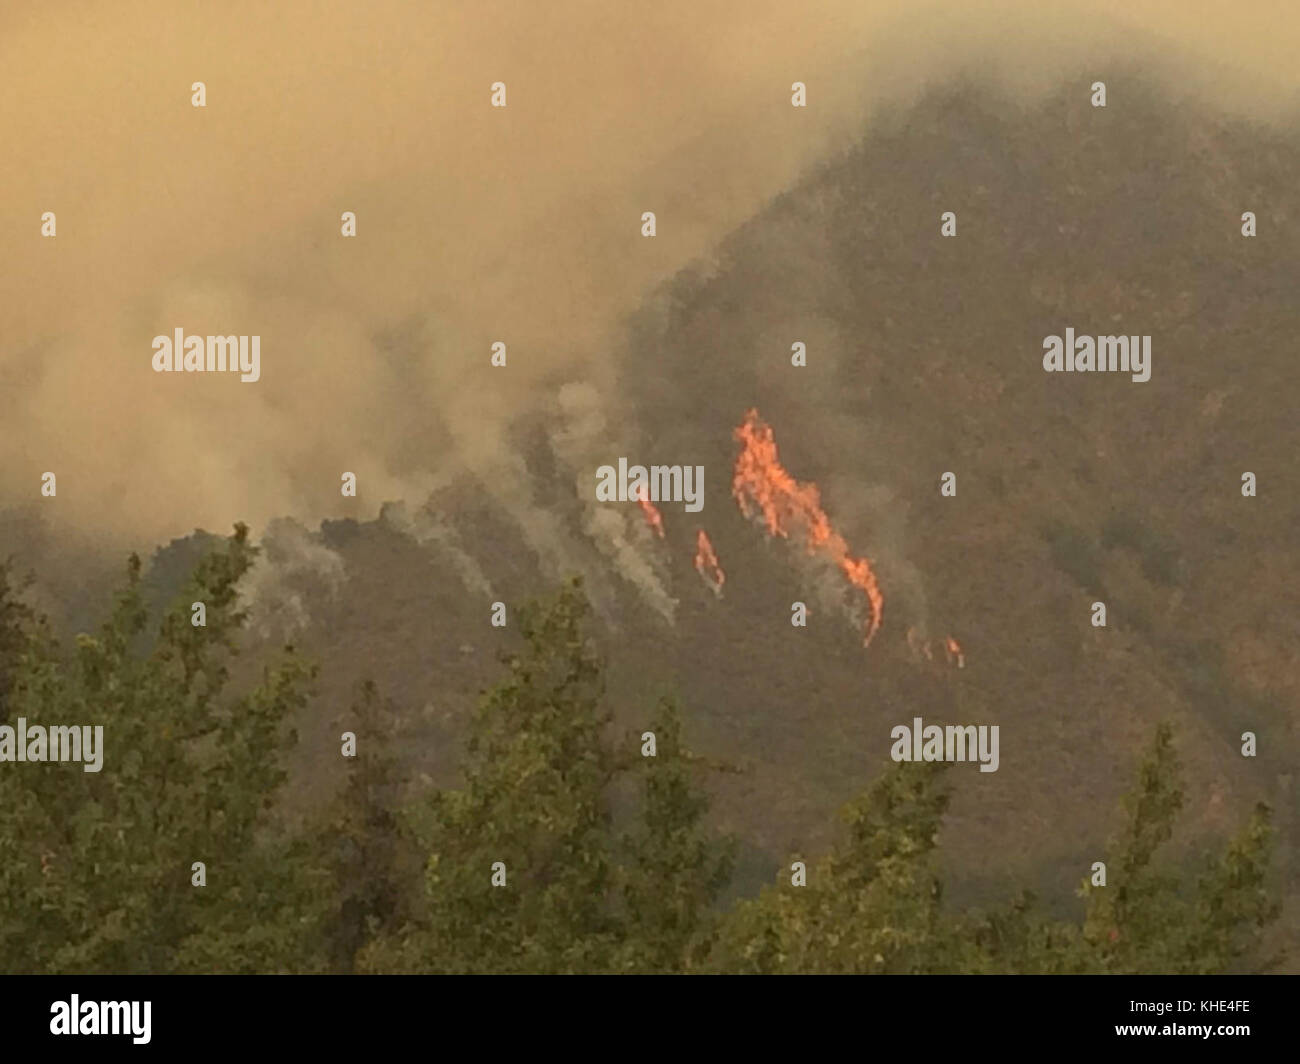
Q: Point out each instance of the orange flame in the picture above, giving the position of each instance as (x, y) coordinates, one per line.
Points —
(761, 483)
(953, 649)
(706, 563)
(652, 515)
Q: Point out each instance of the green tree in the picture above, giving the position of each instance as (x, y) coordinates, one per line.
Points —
(875, 904)
(540, 782)
(20, 628)
(608, 861)
(674, 869)
(1143, 920)
(536, 770)
(366, 849)
(872, 905)
(95, 867)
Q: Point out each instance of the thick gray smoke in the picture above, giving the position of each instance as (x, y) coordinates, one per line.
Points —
(585, 441)
(426, 528)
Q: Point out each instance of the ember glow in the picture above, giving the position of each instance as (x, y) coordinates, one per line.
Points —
(762, 485)
(706, 563)
(922, 647)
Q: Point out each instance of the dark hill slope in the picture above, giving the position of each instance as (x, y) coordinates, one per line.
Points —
(925, 357)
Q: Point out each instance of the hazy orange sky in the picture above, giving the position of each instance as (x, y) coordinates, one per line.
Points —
(474, 224)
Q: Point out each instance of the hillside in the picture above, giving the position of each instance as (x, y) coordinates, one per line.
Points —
(924, 357)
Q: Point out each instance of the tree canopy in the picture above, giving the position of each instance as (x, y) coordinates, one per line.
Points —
(565, 846)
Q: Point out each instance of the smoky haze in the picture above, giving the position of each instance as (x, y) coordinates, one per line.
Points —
(474, 224)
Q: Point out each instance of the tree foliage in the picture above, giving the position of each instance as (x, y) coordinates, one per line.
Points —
(563, 848)
(96, 867)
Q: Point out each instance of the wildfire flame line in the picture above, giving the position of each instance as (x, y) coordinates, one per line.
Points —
(652, 515)
(761, 484)
(706, 563)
